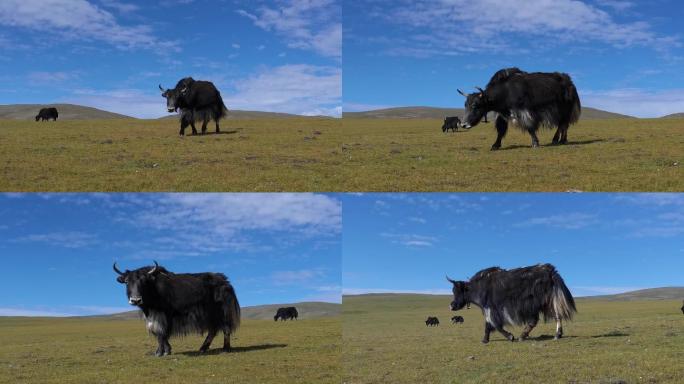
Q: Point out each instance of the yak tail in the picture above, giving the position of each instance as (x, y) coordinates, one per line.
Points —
(231, 309)
(562, 302)
(572, 98)
(222, 110)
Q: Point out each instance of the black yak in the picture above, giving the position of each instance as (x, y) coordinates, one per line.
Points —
(529, 100)
(456, 319)
(197, 101)
(451, 122)
(47, 113)
(516, 296)
(431, 321)
(182, 303)
(286, 313)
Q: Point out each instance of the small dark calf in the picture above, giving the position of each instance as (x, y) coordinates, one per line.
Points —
(431, 321)
(682, 306)
(47, 114)
(451, 122)
(286, 313)
(456, 319)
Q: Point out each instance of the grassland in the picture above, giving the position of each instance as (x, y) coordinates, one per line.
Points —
(603, 155)
(102, 350)
(385, 340)
(148, 155)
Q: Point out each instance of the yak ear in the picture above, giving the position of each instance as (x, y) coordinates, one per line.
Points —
(121, 279)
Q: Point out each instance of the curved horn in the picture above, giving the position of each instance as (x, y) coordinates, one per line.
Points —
(479, 89)
(461, 92)
(160, 87)
(153, 270)
(117, 270)
(450, 280)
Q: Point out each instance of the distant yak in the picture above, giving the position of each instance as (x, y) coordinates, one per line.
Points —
(432, 321)
(682, 306)
(456, 319)
(451, 122)
(182, 303)
(527, 99)
(286, 313)
(197, 100)
(47, 113)
(516, 297)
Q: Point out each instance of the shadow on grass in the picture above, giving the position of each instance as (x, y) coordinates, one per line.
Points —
(249, 348)
(547, 337)
(612, 334)
(210, 133)
(582, 142)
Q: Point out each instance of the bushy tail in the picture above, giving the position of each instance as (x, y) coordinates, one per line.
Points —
(562, 302)
(571, 97)
(222, 110)
(231, 307)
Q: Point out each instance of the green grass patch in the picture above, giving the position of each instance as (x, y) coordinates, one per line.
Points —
(99, 350)
(385, 340)
(603, 155)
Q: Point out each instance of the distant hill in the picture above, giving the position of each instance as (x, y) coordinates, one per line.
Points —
(440, 113)
(674, 116)
(66, 112)
(234, 114)
(665, 293)
(307, 310)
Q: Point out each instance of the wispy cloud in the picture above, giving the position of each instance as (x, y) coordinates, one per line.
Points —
(410, 239)
(573, 220)
(61, 239)
(301, 276)
(304, 24)
(637, 102)
(80, 20)
(600, 290)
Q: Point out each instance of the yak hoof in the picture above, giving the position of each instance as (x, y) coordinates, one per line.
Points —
(495, 147)
(485, 341)
(226, 349)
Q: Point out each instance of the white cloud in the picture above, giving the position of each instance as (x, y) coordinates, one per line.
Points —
(454, 27)
(637, 102)
(410, 239)
(304, 24)
(4, 311)
(298, 277)
(572, 220)
(120, 6)
(72, 239)
(50, 78)
(599, 290)
(300, 89)
(130, 102)
(79, 20)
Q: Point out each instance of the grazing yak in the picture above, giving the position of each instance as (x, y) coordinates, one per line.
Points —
(456, 319)
(431, 321)
(197, 101)
(47, 113)
(682, 306)
(529, 100)
(286, 313)
(517, 296)
(451, 122)
(182, 303)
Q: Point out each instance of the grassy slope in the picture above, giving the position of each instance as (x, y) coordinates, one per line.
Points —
(385, 340)
(138, 155)
(93, 350)
(440, 113)
(603, 155)
(65, 111)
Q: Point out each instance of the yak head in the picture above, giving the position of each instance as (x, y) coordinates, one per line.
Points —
(174, 97)
(37, 117)
(139, 282)
(460, 291)
(476, 107)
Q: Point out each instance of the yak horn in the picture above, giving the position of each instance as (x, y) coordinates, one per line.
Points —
(479, 89)
(153, 270)
(160, 87)
(450, 280)
(117, 270)
(461, 92)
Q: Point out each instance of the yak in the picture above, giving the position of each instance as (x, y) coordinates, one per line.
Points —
(197, 100)
(456, 319)
(286, 313)
(682, 306)
(529, 100)
(431, 321)
(182, 303)
(516, 297)
(47, 113)
(451, 122)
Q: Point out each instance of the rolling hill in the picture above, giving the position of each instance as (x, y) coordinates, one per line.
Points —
(674, 116)
(234, 114)
(307, 310)
(66, 112)
(440, 113)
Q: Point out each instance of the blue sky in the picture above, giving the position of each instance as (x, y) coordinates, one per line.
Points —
(279, 55)
(600, 243)
(57, 250)
(624, 56)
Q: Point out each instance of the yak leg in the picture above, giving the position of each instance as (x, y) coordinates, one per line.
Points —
(207, 342)
(488, 329)
(204, 125)
(226, 340)
(501, 129)
(559, 329)
(557, 135)
(184, 124)
(504, 332)
(164, 347)
(528, 329)
(533, 133)
(194, 130)
(564, 134)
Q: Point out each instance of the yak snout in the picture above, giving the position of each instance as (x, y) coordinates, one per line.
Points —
(134, 300)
